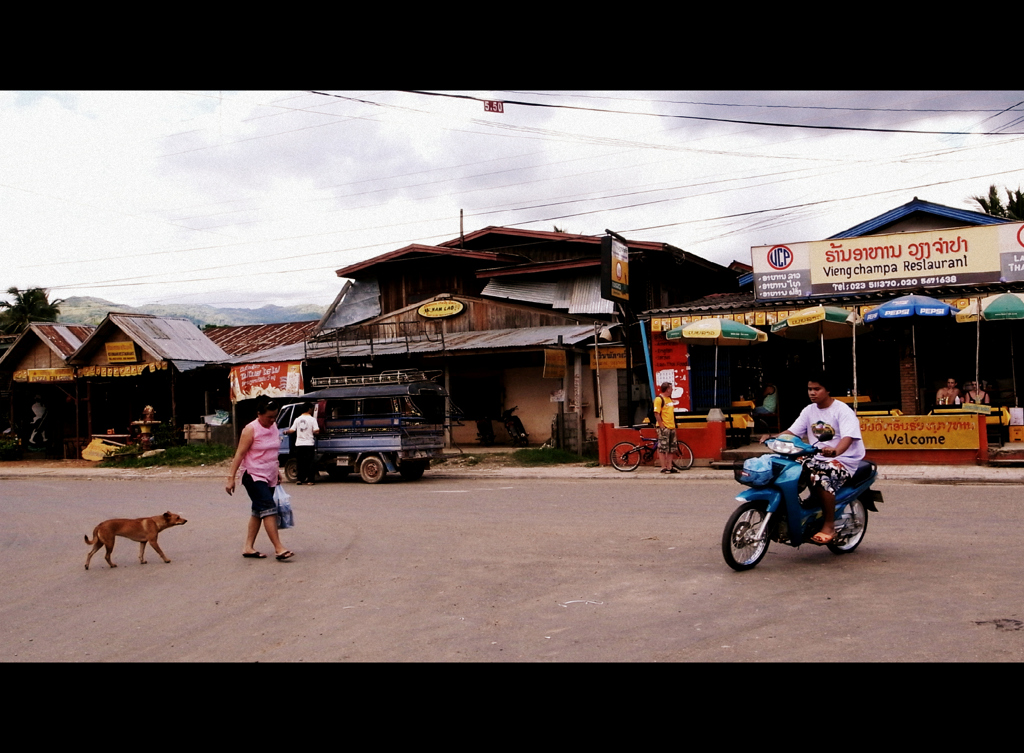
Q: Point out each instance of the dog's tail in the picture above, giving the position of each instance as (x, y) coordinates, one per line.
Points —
(95, 537)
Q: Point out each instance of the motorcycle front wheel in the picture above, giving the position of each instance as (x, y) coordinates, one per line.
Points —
(854, 523)
(739, 548)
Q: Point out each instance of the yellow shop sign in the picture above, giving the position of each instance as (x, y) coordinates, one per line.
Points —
(121, 352)
(440, 309)
(920, 432)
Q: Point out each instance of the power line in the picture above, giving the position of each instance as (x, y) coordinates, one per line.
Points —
(766, 105)
(767, 124)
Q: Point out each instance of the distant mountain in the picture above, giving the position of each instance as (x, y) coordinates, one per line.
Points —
(86, 310)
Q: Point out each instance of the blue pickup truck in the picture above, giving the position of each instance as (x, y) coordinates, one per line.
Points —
(388, 422)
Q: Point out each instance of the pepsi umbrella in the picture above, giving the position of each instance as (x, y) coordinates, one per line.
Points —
(907, 306)
(910, 307)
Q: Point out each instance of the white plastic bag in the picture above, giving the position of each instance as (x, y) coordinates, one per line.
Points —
(283, 499)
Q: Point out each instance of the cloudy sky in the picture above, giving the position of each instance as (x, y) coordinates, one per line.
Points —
(241, 198)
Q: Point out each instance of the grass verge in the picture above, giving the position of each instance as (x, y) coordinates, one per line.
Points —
(192, 454)
(548, 456)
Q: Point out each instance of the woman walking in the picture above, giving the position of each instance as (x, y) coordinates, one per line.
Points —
(257, 456)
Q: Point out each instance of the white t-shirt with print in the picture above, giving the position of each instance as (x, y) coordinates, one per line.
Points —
(825, 427)
(303, 426)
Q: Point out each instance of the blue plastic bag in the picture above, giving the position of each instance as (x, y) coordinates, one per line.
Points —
(756, 471)
(283, 499)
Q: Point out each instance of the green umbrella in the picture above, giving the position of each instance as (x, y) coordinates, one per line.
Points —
(1003, 306)
(824, 322)
(718, 332)
(1000, 307)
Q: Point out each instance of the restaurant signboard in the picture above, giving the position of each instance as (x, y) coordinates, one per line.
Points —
(898, 262)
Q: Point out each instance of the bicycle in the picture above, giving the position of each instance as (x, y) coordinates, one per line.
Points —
(626, 456)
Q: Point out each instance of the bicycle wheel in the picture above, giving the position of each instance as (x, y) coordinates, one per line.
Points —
(625, 456)
(683, 457)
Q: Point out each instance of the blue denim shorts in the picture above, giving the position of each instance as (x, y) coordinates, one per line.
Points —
(262, 496)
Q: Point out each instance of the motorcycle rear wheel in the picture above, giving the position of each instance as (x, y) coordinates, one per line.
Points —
(855, 523)
(741, 552)
(625, 456)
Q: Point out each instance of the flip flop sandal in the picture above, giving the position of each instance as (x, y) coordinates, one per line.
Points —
(285, 555)
(254, 555)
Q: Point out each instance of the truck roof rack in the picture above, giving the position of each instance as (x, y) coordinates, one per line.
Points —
(398, 376)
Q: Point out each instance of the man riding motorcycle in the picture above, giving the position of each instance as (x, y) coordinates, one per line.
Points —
(831, 426)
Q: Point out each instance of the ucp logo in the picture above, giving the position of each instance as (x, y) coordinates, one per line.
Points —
(780, 257)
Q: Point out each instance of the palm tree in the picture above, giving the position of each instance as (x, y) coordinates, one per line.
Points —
(32, 305)
(992, 204)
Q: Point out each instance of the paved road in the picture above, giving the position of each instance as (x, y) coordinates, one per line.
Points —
(504, 569)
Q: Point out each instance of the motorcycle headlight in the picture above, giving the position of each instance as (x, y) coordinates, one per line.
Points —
(782, 447)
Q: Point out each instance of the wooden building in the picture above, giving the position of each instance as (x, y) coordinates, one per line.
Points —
(134, 360)
(510, 317)
(42, 391)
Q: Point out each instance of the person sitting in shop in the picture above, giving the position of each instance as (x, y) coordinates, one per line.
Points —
(770, 404)
(976, 396)
(948, 395)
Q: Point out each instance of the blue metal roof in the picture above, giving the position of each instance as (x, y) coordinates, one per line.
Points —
(964, 216)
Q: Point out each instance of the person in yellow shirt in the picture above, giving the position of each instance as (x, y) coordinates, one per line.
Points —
(664, 414)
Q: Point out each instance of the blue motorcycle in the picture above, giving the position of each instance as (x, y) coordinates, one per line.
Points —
(773, 510)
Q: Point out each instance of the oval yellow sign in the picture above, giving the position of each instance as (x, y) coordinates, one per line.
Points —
(440, 309)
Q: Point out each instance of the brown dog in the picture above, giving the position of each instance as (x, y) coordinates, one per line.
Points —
(143, 530)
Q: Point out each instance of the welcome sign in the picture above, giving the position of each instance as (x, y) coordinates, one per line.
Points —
(920, 432)
(899, 261)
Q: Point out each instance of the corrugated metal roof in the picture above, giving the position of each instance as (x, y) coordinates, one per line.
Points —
(65, 339)
(417, 250)
(578, 295)
(169, 338)
(708, 304)
(516, 290)
(252, 338)
(163, 337)
(62, 339)
(357, 302)
(526, 337)
(289, 352)
(563, 294)
(586, 297)
(740, 302)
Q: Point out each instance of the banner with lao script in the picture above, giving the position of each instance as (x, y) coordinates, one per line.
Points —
(282, 379)
(897, 262)
(920, 432)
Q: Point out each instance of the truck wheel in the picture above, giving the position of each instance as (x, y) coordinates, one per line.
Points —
(372, 470)
(411, 471)
(291, 470)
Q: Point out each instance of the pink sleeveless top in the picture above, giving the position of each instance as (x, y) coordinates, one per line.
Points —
(261, 459)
